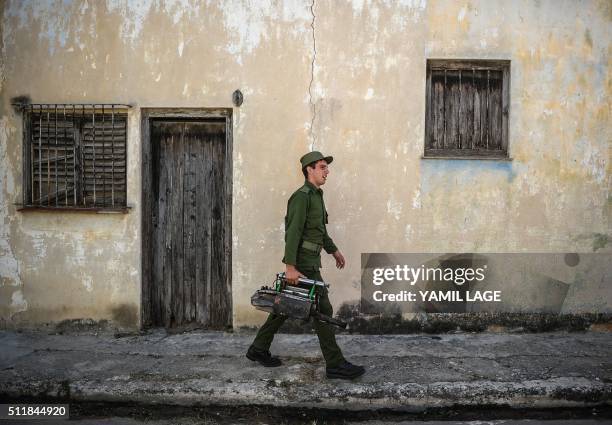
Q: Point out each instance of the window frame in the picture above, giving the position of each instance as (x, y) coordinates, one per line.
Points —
(500, 65)
(79, 112)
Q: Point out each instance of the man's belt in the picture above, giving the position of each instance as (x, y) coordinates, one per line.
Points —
(311, 246)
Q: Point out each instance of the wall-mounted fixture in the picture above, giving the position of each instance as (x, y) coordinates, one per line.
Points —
(237, 98)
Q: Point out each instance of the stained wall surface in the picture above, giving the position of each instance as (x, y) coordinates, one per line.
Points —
(343, 77)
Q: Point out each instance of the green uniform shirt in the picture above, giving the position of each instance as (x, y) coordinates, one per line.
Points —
(305, 221)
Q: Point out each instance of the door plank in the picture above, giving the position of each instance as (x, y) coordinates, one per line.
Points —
(219, 297)
(177, 229)
(204, 234)
(189, 222)
(158, 226)
(167, 166)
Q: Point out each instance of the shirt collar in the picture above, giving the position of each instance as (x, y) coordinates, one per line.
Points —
(312, 186)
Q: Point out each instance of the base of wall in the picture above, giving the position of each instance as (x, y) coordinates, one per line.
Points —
(70, 326)
(374, 324)
(457, 322)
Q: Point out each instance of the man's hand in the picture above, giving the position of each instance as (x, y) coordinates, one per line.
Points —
(340, 262)
(292, 275)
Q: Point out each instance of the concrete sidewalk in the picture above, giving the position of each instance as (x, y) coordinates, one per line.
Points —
(404, 372)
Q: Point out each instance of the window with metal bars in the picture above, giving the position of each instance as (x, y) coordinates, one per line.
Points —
(467, 104)
(75, 156)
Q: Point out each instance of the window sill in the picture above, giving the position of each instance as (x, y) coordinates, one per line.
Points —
(97, 210)
(492, 154)
(472, 157)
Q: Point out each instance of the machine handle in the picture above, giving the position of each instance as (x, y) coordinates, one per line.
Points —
(305, 281)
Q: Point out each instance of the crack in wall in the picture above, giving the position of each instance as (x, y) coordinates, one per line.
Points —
(313, 106)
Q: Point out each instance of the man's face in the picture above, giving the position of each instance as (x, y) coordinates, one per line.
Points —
(318, 174)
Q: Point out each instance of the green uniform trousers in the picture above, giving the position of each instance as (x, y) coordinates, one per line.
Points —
(327, 339)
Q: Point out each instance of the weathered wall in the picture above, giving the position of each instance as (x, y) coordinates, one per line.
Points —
(346, 78)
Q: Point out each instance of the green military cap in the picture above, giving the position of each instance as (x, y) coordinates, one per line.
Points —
(314, 156)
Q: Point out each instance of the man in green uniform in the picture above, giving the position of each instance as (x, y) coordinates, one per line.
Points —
(305, 236)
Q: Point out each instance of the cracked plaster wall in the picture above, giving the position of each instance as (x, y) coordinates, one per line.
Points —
(359, 98)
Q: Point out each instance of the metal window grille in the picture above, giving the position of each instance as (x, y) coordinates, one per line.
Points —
(467, 108)
(76, 156)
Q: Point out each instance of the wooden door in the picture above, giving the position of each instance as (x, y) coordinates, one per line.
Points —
(189, 265)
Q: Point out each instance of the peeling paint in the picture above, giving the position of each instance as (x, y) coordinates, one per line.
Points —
(87, 282)
(394, 208)
(461, 15)
(247, 22)
(9, 264)
(408, 232)
(416, 199)
(18, 303)
(133, 14)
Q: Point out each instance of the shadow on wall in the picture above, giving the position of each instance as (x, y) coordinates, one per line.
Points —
(124, 317)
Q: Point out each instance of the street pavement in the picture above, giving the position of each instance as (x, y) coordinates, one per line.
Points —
(407, 373)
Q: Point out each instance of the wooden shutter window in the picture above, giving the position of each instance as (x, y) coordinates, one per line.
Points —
(467, 108)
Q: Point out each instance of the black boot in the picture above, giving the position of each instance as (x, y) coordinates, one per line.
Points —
(345, 370)
(263, 357)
